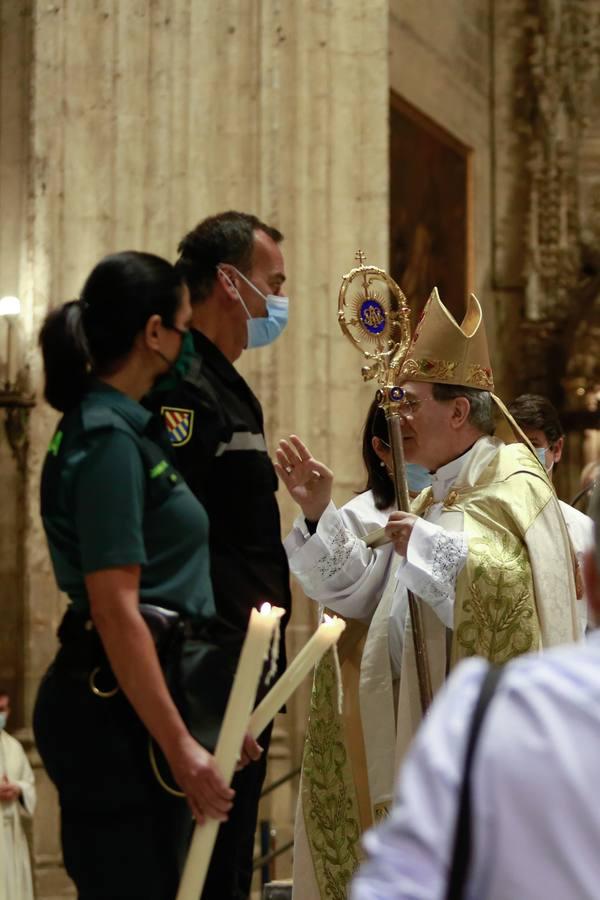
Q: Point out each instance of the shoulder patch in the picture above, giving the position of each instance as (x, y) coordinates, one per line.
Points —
(179, 424)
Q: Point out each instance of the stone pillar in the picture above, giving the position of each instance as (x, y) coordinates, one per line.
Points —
(132, 122)
(14, 65)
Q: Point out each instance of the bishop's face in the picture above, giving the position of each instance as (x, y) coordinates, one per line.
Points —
(426, 430)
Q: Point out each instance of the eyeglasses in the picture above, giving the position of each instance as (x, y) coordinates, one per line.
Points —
(408, 406)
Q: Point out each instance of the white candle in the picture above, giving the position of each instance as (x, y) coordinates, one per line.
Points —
(326, 635)
(235, 725)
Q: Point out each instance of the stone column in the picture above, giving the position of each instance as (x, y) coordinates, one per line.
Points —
(322, 155)
(14, 66)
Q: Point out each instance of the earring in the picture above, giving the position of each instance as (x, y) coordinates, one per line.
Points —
(381, 463)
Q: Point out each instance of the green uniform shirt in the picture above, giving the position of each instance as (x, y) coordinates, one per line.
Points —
(110, 497)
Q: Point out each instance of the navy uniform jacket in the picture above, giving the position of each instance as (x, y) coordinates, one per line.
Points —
(215, 425)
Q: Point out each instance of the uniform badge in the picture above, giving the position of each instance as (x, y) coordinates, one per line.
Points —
(179, 424)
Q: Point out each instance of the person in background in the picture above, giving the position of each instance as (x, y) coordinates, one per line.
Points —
(326, 549)
(534, 821)
(329, 557)
(125, 534)
(234, 268)
(587, 482)
(539, 420)
(17, 799)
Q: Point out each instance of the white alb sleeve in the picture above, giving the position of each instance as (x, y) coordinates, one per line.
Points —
(335, 567)
(433, 561)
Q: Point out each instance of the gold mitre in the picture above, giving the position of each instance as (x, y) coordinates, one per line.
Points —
(445, 352)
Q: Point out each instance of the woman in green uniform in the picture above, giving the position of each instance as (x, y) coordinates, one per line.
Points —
(122, 528)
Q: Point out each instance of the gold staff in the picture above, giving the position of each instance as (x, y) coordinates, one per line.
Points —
(374, 315)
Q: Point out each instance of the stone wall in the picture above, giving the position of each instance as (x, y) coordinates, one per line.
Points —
(14, 56)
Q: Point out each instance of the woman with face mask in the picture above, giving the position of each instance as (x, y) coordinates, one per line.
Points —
(354, 579)
(328, 555)
(125, 536)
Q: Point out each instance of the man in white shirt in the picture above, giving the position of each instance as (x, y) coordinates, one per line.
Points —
(534, 818)
(538, 418)
(17, 798)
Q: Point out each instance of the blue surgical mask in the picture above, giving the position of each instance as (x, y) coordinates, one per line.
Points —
(264, 330)
(540, 452)
(417, 478)
(3, 720)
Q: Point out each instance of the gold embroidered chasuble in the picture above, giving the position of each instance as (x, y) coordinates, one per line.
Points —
(515, 593)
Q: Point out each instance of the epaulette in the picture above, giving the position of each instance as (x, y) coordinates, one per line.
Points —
(101, 418)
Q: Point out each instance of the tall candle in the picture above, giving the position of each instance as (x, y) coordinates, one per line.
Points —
(326, 635)
(233, 730)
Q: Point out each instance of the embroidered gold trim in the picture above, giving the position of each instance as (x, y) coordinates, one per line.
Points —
(444, 369)
(451, 499)
(499, 620)
(479, 377)
(432, 368)
(328, 794)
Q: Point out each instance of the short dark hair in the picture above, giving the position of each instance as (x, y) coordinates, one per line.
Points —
(481, 414)
(378, 480)
(225, 238)
(90, 336)
(535, 411)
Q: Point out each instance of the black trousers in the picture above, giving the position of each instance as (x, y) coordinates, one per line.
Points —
(230, 872)
(123, 836)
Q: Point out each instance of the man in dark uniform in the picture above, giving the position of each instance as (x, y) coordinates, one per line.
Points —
(234, 268)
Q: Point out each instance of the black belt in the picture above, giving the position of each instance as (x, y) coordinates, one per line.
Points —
(82, 651)
(82, 647)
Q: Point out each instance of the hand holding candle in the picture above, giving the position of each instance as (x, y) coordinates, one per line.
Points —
(261, 628)
(325, 637)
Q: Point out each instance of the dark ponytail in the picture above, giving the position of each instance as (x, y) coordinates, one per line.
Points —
(92, 336)
(66, 356)
(378, 480)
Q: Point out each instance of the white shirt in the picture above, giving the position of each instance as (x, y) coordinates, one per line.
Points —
(581, 532)
(535, 809)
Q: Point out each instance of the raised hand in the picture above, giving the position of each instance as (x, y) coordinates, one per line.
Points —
(308, 481)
